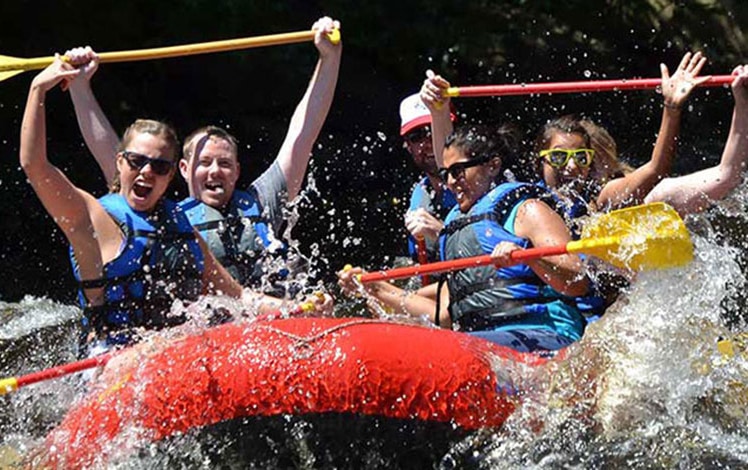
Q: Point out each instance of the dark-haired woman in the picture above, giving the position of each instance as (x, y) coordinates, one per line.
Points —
(524, 306)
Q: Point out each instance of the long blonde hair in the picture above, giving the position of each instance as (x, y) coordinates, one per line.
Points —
(606, 165)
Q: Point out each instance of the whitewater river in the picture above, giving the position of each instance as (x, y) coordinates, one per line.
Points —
(646, 388)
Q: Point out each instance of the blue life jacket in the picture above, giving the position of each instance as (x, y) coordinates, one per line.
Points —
(160, 261)
(424, 195)
(569, 209)
(237, 235)
(486, 297)
(572, 209)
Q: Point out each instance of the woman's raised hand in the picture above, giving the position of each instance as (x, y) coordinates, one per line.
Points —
(322, 28)
(55, 72)
(740, 85)
(676, 88)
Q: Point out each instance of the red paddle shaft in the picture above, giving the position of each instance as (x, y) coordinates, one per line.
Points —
(572, 87)
(457, 264)
(13, 383)
(422, 257)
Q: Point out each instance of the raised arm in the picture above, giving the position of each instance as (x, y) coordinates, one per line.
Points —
(307, 120)
(432, 95)
(92, 234)
(101, 139)
(632, 188)
(67, 205)
(695, 192)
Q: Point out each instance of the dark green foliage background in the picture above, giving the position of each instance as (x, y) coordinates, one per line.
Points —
(361, 171)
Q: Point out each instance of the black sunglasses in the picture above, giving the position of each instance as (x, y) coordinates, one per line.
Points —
(138, 161)
(418, 135)
(458, 169)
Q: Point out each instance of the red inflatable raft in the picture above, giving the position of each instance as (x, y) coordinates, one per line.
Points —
(294, 367)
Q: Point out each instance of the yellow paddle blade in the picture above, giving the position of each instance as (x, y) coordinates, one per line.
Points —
(12, 66)
(18, 64)
(650, 236)
(7, 75)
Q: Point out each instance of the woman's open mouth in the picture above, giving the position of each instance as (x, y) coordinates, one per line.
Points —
(141, 190)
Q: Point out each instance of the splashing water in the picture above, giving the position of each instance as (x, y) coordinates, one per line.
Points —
(35, 334)
(646, 387)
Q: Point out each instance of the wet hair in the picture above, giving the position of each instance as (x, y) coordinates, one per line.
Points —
(199, 137)
(502, 141)
(605, 164)
(147, 126)
(568, 124)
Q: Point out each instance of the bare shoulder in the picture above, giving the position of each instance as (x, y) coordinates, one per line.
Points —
(534, 209)
(536, 221)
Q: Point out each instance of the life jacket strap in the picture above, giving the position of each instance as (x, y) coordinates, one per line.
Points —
(231, 221)
(489, 318)
(168, 236)
(500, 212)
(493, 284)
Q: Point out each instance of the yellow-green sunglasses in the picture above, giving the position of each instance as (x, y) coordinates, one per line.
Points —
(558, 158)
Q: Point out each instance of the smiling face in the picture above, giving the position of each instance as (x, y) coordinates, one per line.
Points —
(212, 171)
(471, 183)
(142, 187)
(571, 174)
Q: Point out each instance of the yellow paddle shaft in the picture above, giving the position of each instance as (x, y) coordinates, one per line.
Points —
(452, 92)
(8, 385)
(18, 64)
